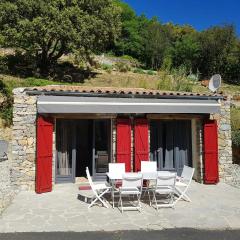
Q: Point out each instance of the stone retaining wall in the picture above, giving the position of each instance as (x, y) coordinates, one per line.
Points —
(224, 140)
(24, 140)
(6, 191)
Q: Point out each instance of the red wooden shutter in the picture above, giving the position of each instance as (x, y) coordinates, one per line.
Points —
(211, 175)
(123, 153)
(44, 155)
(141, 143)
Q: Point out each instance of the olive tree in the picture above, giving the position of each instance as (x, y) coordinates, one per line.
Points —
(47, 29)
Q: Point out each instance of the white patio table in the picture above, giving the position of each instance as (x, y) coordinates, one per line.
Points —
(113, 178)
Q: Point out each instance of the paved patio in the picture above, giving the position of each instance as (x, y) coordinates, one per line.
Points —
(212, 207)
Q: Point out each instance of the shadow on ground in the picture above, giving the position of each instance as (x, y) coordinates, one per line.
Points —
(176, 234)
(23, 66)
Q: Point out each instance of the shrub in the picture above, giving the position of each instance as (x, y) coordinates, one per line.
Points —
(3, 64)
(122, 67)
(235, 125)
(138, 70)
(235, 118)
(6, 107)
(236, 138)
(151, 72)
(106, 67)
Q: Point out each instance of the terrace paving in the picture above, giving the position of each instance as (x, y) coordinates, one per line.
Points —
(212, 207)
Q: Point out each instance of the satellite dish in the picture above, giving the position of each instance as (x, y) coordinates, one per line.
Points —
(215, 82)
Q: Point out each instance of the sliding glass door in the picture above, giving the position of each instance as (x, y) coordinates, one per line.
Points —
(66, 151)
(81, 144)
(171, 144)
(101, 146)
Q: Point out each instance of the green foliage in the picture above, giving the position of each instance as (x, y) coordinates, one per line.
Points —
(167, 63)
(131, 41)
(48, 29)
(216, 44)
(42, 31)
(236, 138)
(235, 118)
(122, 67)
(186, 51)
(177, 80)
(151, 72)
(107, 67)
(157, 43)
(6, 106)
(139, 70)
(169, 46)
(6, 87)
(235, 125)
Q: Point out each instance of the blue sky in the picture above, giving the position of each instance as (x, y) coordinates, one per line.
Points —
(199, 13)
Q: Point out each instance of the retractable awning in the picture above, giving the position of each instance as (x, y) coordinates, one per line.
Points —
(69, 104)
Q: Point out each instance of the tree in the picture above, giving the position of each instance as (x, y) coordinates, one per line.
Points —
(216, 44)
(157, 43)
(186, 51)
(232, 67)
(130, 41)
(47, 29)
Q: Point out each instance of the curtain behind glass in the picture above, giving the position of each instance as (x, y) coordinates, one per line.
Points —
(182, 144)
(64, 148)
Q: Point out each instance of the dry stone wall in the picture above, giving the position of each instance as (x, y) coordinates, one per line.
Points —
(224, 141)
(6, 191)
(24, 140)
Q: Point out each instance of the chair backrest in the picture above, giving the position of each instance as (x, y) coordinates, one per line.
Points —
(116, 169)
(166, 179)
(187, 173)
(147, 166)
(130, 180)
(89, 178)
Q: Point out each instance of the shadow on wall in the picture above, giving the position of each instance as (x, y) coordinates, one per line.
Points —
(236, 154)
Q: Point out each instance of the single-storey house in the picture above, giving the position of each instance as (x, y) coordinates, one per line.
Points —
(59, 130)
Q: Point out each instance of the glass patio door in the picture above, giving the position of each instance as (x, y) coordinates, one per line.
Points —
(66, 151)
(171, 144)
(101, 147)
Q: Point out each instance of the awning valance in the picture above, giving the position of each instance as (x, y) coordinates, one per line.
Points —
(69, 104)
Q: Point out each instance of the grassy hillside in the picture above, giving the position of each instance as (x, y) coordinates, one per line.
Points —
(160, 81)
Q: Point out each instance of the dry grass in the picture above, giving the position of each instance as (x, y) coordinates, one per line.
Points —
(118, 79)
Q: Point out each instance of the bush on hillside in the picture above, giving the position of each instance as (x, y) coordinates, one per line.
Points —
(122, 67)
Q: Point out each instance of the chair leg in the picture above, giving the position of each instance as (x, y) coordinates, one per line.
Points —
(139, 203)
(99, 197)
(149, 197)
(121, 203)
(182, 194)
(154, 197)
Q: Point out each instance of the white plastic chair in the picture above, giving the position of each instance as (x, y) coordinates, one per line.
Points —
(148, 167)
(99, 189)
(116, 170)
(131, 187)
(183, 183)
(165, 187)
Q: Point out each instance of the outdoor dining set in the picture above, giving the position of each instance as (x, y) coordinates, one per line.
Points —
(163, 188)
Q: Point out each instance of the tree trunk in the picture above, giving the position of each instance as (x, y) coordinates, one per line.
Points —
(44, 63)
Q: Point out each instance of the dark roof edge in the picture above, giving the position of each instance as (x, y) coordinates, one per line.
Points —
(119, 95)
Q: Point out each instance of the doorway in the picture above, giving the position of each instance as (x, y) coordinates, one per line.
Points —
(171, 144)
(82, 143)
